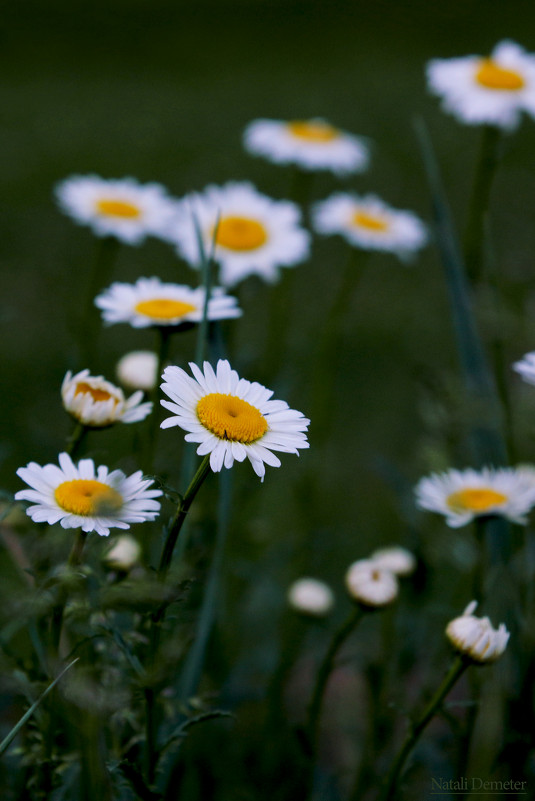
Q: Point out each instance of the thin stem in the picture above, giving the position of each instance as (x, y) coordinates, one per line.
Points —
(479, 200)
(164, 340)
(415, 731)
(108, 249)
(314, 709)
(75, 557)
(76, 438)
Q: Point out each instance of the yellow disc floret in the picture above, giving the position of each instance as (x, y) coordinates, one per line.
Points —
(240, 233)
(318, 132)
(231, 418)
(492, 76)
(476, 499)
(370, 221)
(117, 208)
(83, 388)
(164, 308)
(88, 498)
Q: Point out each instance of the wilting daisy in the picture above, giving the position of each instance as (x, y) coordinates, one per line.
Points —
(311, 597)
(255, 234)
(97, 403)
(491, 90)
(122, 208)
(370, 584)
(462, 495)
(138, 369)
(149, 302)
(231, 418)
(82, 496)
(526, 367)
(368, 223)
(310, 144)
(475, 638)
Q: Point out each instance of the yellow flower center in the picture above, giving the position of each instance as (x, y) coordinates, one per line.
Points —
(492, 76)
(370, 221)
(82, 388)
(232, 418)
(88, 497)
(117, 208)
(477, 499)
(318, 132)
(164, 308)
(240, 233)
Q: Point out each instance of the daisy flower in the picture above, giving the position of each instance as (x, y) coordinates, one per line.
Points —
(370, 584)
(122, 208)
(231, 418)
(97, 403)
(369, 223)
(82, 496)
(462, 495)
(492, 90)
(311, 597)
(525, 367)
(255, 234)
(149, 302)
(475, 638)
(138, 369)
(398, 560)
(310, 144)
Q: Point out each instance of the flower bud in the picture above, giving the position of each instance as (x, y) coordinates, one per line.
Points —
(137, 370)
(475, 638)
(310, 596)
(370, 584)
(124, 553)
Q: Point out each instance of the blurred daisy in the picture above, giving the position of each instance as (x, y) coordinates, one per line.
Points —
(231, 418)
(368, 223)
(310, 144)
(255, 234)
(475, 638)
(138, 370)
(97, 403)
(462, 495)
(398, 560)
(122, 208)
(311, 597)
(124, 554)
(525, 367)
(82, 496)
(491, 90)
(149, 302)
(370, 584)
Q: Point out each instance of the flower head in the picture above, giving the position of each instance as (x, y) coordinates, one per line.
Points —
(462, 495)
(254, 235)
(492, 90)
(310, 596)
(149, 302)
(98, 403)
(138, 370)
(475, 638)
(525, 367)
(370, 584)
(122, 208)
(231, 418)
(310, 144)
(87, 497)
(398, 560)
(370, 224)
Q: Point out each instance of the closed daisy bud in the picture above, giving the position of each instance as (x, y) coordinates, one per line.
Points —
(475, 638)
(398, 560)
(123, 554)
(371, 585)
(138, 370)
(98, 403)
(310, 596)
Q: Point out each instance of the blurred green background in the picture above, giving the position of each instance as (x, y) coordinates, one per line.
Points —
(162, 91)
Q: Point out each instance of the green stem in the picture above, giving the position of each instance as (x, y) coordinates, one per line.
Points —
(164, 340)
(479, 200)
(75, 557)
(415, 731)
(314, 709)
(76, 438)
(108, 249)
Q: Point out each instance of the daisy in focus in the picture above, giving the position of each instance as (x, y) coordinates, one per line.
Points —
(149, 302)
(492, 90)
(370, 224)
(98, 403)
(309, 144)
(230, 418)
(255, 235)
(462, 495)
(123, 208)
(87, 497)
